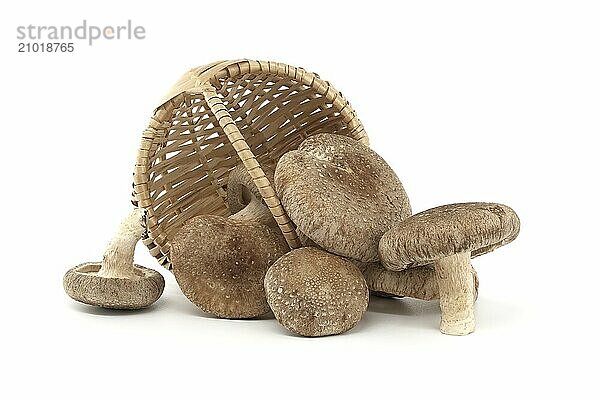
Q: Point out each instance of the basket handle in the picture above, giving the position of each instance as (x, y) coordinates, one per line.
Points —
(247, 157)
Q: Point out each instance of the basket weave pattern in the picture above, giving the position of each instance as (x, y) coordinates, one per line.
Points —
(217, 115)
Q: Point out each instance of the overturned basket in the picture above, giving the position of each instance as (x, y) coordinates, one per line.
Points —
(217, 115)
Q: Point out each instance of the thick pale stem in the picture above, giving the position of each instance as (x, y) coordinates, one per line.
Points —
(255, 211)
(118, 257)
(457, 294)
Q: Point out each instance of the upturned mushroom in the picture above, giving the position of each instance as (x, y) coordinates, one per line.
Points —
(340, 194)
(448, 237)
(244, 199)
(418, 282)
(116, 282)
(220, 263)
(315, 293)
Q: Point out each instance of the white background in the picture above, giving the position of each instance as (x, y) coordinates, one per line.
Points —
(467, 100)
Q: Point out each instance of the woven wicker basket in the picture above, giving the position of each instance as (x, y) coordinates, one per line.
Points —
(217, 115)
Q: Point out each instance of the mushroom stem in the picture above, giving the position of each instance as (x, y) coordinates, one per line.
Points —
(457, 294)
(118, 257)
(255, 211)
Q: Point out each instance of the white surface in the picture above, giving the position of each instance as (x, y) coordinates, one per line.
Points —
(467, 100)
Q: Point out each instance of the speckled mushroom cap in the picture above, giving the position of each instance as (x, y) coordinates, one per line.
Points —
(83, 284)
(448, 230)
(220, 264)
(315, 293)
(340, 194)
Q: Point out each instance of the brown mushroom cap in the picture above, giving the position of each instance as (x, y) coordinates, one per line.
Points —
(83, 284)
(340, 194)
(220, 264)
(447, 230)
(315, 293)
(305, 240)
(419, 282)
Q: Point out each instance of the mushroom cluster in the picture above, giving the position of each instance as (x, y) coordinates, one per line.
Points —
(355, 222)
